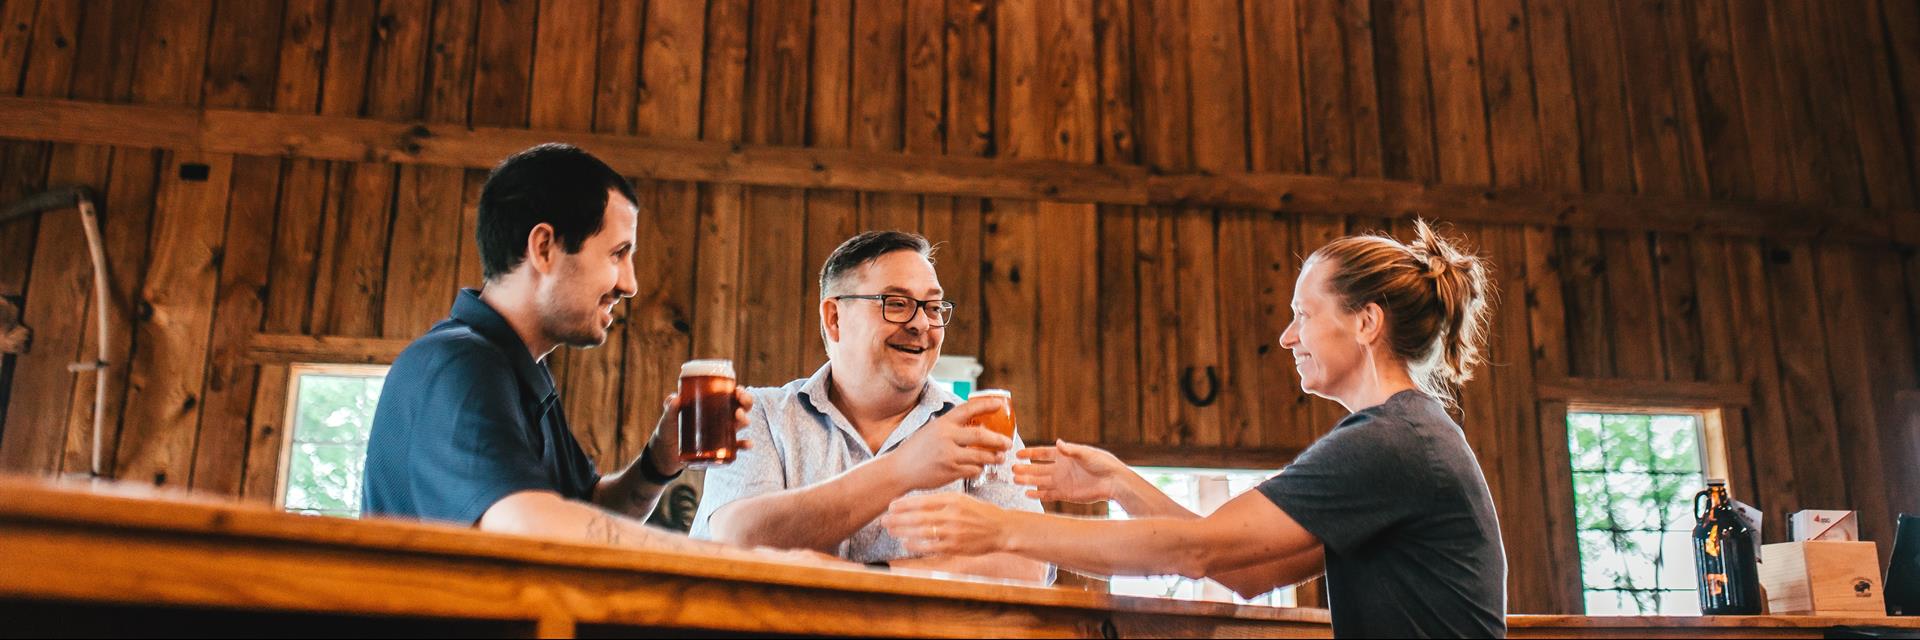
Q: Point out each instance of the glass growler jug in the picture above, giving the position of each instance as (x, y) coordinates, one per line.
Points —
(1724, 555)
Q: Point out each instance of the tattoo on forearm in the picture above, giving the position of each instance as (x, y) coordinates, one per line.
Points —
(632, 495)
(609, 529)
(603, 529)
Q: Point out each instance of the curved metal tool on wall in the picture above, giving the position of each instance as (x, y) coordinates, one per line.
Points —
(81, 198)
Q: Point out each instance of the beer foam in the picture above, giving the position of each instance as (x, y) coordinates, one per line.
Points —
(990, 393)
(712, 368)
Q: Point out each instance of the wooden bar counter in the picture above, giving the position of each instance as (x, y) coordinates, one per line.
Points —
(99, 559)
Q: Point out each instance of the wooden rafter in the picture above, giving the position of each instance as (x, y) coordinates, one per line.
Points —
(367, 140)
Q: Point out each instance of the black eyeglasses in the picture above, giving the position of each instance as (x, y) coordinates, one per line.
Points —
(901, 309)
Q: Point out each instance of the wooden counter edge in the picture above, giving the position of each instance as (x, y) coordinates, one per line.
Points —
(132, 507)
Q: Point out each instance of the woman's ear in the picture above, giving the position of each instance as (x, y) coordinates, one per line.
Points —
(1372, 322)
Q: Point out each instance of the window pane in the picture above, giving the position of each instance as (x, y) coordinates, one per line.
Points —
(1678, 572)
(1601, 567)
(325, 476)
(1625, 440)
(1643, 602)
(1625, 559)
(1590, 501)
(1672, 497)
(1675, 443)
(1644, 557)
(1610, 603)
(1583, 436)
(1634, 477)
(326, 455)
(1625, 501)
(336, 408)
(1679, 603)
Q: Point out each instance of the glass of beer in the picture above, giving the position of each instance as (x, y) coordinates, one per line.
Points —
(1001, 422)
(706, 413)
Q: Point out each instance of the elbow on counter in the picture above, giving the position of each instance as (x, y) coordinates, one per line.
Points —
(722, 527)
(517, 514)
(731, 526)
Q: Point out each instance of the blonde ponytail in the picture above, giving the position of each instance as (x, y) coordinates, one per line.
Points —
(1463, 287)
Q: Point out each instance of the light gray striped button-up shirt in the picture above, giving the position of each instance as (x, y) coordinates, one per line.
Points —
(799, 438)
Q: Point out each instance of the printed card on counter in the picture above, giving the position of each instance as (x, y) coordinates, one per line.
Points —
(1824, 524)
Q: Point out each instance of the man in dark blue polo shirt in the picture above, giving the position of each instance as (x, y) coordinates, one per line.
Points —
(469, 428)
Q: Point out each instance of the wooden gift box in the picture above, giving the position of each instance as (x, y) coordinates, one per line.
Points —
(1822, 577)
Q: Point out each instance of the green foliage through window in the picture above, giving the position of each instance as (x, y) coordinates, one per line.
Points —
(1634, 476)
(333, 416)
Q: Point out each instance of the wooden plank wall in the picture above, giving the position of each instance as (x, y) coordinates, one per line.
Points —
(1102, 317)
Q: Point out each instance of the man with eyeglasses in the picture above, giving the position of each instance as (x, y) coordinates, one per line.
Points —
(834, 449)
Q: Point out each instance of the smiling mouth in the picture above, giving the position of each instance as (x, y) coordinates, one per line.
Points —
(907, 349)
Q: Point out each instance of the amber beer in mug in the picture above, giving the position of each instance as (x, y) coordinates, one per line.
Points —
(1001, 422)
(706, 413)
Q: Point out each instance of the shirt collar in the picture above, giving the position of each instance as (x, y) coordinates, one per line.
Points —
(935, 400)
(470, 310)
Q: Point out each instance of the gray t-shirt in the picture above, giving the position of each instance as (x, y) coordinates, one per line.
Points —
(1412, 545)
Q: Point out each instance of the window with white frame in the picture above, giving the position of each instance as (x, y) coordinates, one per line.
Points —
(1201, 490)
(1635, 472)
(330, 415)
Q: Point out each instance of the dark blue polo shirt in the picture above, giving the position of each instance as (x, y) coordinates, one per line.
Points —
(466, 417)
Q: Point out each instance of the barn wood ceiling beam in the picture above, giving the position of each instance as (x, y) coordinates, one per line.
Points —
(365, 140)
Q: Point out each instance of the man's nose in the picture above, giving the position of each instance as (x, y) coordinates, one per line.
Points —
(628, 285)
(920, 323)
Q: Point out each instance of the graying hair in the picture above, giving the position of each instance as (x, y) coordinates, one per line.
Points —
(859, 250)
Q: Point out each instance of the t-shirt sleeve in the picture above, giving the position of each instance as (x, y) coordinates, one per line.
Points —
(480, 447)
(756, 471)
(1356, 482)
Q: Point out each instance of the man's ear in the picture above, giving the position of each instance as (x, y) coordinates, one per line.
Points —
(542, 248)
(830, 319)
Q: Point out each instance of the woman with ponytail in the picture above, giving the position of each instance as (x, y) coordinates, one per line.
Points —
(1390, 504)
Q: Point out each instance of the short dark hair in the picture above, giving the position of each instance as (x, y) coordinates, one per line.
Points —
(558, 184)
(864, 248)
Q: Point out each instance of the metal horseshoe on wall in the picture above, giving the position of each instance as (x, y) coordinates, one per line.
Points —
(1192, 396)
